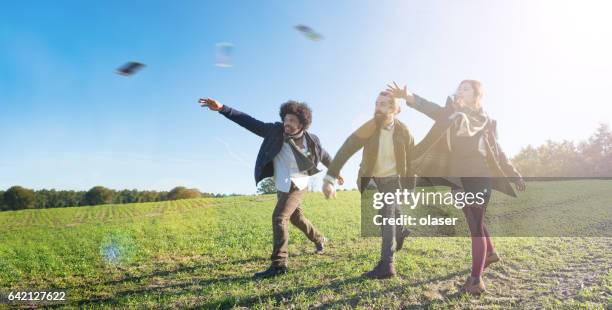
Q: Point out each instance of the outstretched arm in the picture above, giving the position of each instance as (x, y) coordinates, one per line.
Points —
(326, 160)
(350, 147)
(431, 109)
(353, 143)
(254, 125)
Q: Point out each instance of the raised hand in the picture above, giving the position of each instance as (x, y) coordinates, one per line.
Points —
(212, 104)
(401, 93)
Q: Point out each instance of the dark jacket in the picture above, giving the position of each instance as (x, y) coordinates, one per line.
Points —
(367, 137)
(273, 134)
(432, 152)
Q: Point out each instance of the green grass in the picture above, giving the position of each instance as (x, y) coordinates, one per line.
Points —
(201, 253)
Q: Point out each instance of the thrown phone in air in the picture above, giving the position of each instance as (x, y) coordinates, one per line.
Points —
(308, 32)
(130, 68)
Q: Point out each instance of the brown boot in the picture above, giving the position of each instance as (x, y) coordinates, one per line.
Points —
(473, 286)
(399, 239)
(491, 258)
(383, 270)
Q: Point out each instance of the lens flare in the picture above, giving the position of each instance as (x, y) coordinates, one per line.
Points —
(117, 248)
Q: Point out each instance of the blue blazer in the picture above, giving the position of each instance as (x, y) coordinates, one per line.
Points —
(273, 134)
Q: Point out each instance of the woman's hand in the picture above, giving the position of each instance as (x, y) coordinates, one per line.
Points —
(401, 93)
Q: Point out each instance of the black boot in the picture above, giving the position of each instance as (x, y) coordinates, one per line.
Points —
(272, 271)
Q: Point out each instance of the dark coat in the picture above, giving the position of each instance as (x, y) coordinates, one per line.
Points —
(367, 137)
(273, 134)
(432, 153)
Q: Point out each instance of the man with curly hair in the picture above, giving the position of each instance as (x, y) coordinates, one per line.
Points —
(290, 154)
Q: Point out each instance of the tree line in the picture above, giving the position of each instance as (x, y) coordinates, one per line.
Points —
(588, 158)
(17, 197)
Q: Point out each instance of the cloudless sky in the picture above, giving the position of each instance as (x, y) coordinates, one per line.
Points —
(67, 121)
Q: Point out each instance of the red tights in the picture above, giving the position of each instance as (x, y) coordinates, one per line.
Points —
(481, 240)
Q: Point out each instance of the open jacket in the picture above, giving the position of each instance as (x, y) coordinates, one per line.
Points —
(367, 137)
(273, 134)
(431, 154)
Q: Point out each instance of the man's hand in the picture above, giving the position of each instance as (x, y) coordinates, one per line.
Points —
(329, 190)
(520, 185)
(340, 180)
(212, 104)
(401, 93)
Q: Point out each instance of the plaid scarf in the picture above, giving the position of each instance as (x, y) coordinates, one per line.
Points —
(468, 122)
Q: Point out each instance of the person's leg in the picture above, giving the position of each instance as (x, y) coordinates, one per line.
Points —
(388, 232)
(286, 205)
(385, 267)
(474, 215)
(490, 248)
(486, 185)
(300, 221)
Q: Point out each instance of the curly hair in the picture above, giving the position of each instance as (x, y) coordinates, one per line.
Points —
(300, 109)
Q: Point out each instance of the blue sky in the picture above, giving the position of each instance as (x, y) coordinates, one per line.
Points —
(67, 121)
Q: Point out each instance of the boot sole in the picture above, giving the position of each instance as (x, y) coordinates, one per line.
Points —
(490, 262)
(379, 277)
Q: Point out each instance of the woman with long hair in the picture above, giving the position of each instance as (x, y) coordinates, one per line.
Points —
(463, 145)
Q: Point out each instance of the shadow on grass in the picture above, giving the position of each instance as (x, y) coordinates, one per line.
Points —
(197, 287)
(161, 288)
(334, 286)
(185, 288)
(353, 300)
(165, 273)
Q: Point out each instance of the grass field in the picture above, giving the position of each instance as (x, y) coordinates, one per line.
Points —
(201, 253)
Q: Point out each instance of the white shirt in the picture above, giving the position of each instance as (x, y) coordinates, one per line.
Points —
(286, 170)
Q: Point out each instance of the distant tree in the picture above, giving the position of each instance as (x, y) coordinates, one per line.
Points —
(127, 196)
(98, 195)
(17, 198)
(43, 198)
(149, 196)
(266, 186)
(527, 161)
(181, 192)
(208, 194)
(2, 205)
(590, 158)
(598, 151)
(72, 198)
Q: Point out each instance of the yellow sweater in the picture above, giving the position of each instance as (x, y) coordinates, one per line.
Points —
(385, 160)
